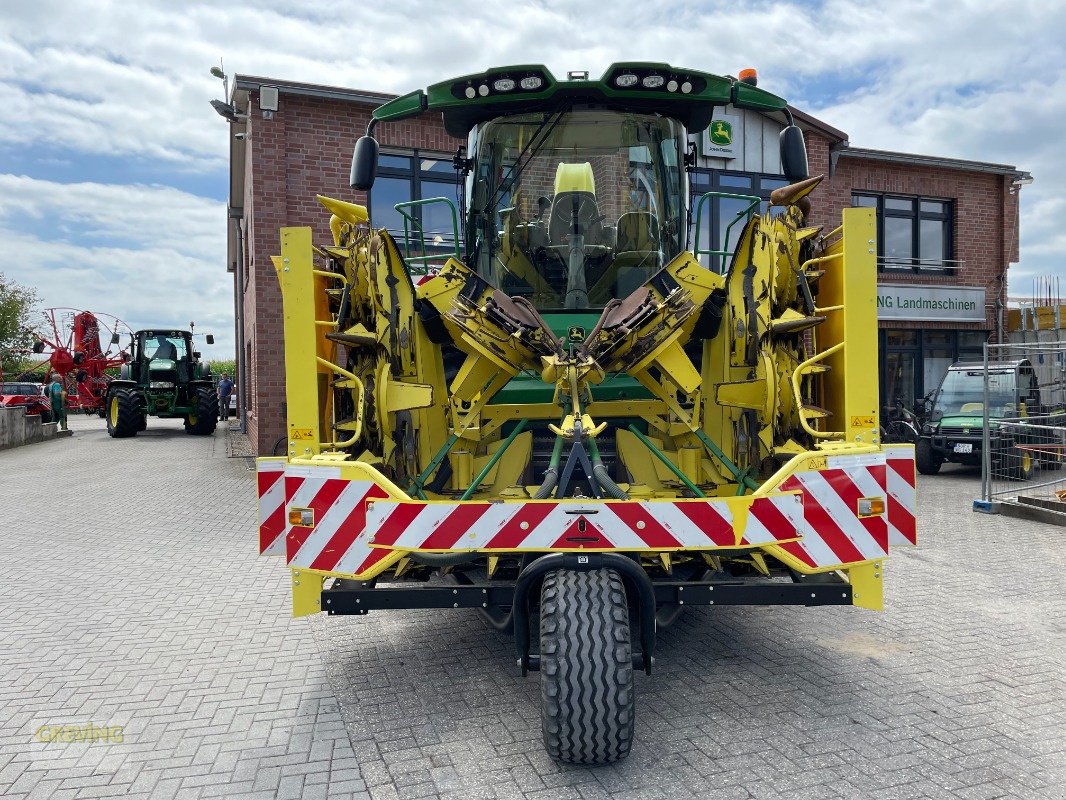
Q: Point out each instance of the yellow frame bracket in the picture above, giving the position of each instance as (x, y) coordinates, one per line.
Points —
(306, 592)
(868, 585)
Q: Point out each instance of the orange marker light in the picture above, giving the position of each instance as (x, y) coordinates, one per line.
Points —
(749, 76)
(871, 506)
(302, 517)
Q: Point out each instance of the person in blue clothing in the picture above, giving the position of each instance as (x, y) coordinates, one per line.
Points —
(58, 397)
(225, 389)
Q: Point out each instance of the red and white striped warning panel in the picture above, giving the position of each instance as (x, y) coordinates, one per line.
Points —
(270, 477)
(577, 525)
(349, 526)
(835, 531)
(902, 504)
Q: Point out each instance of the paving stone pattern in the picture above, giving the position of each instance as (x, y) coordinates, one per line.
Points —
(131, 596)
(956, 691)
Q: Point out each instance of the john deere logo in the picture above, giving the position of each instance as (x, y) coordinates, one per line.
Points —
(721, 133)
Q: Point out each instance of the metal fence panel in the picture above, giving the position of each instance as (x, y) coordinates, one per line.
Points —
(1024, 424)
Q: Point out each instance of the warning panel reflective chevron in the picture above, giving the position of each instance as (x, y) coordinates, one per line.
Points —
(834, 532)
(354, 525)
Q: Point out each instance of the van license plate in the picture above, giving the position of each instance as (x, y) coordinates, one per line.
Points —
(964, 448)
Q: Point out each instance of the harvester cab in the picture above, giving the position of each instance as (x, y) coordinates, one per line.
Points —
(573, 416)
(164, 377)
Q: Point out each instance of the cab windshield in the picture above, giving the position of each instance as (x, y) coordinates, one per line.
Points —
(163, 346)
(571, 209)
(962, 393)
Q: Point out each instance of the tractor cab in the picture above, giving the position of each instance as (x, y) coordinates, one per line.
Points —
(574, 192)
(572, 209)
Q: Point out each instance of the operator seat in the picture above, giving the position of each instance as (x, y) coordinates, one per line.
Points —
(637, 257)
(575, 199)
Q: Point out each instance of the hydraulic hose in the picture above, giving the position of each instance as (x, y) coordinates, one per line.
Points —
(600, 472)
(551, 475)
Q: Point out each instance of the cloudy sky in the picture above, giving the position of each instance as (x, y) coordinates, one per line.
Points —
(113, 165)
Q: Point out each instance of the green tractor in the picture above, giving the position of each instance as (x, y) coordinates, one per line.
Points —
(163, 378)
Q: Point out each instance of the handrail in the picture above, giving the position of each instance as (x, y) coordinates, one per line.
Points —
(358, 431)
(416, 224)
(746, 213)
(796, 376)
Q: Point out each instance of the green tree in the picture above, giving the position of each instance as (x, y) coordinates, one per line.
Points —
(17, 303)
(223, 365)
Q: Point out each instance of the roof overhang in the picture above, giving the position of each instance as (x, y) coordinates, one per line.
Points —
(914, 159)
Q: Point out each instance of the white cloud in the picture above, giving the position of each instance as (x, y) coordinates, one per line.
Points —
(150, 255)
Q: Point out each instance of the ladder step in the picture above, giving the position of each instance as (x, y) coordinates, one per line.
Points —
(815, 412)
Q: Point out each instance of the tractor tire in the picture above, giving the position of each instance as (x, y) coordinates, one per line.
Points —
(1020, 465)
(203, 422)
(926, 459)
(586, 663)
(123, 413)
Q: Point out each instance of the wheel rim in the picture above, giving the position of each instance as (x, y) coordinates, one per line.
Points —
(1027, 462)
(113, 411)
(192, 419)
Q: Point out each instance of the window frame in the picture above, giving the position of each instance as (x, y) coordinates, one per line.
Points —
(760, 186)
(418, 179)
(947, 263)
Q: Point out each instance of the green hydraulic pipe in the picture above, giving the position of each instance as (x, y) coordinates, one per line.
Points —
(420, 481)
(716, 451)
(655, 451)
(495, 457)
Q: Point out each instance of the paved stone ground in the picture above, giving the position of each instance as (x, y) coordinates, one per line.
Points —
(956, 691)
(131, 596)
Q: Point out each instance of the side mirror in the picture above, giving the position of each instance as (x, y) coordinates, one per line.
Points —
(114, 338)
(793, 155)
(364, 163)
(210, 339)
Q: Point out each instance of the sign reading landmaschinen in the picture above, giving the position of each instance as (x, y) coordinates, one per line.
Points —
(931, 303)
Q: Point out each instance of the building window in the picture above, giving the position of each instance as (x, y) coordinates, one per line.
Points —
(722, 218)
(416, 175)
(914, 234)
(913, 363)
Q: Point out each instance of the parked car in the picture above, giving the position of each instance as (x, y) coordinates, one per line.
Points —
(28, 395)
(1019, 421)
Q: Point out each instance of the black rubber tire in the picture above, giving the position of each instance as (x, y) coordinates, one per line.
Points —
(926, 459)
(586, 663)
(206, 418)
(126, 418)
(46, 417)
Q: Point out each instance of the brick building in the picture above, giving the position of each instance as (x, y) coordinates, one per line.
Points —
(947, 228)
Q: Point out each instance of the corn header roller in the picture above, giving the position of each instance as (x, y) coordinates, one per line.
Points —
(575, 420)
